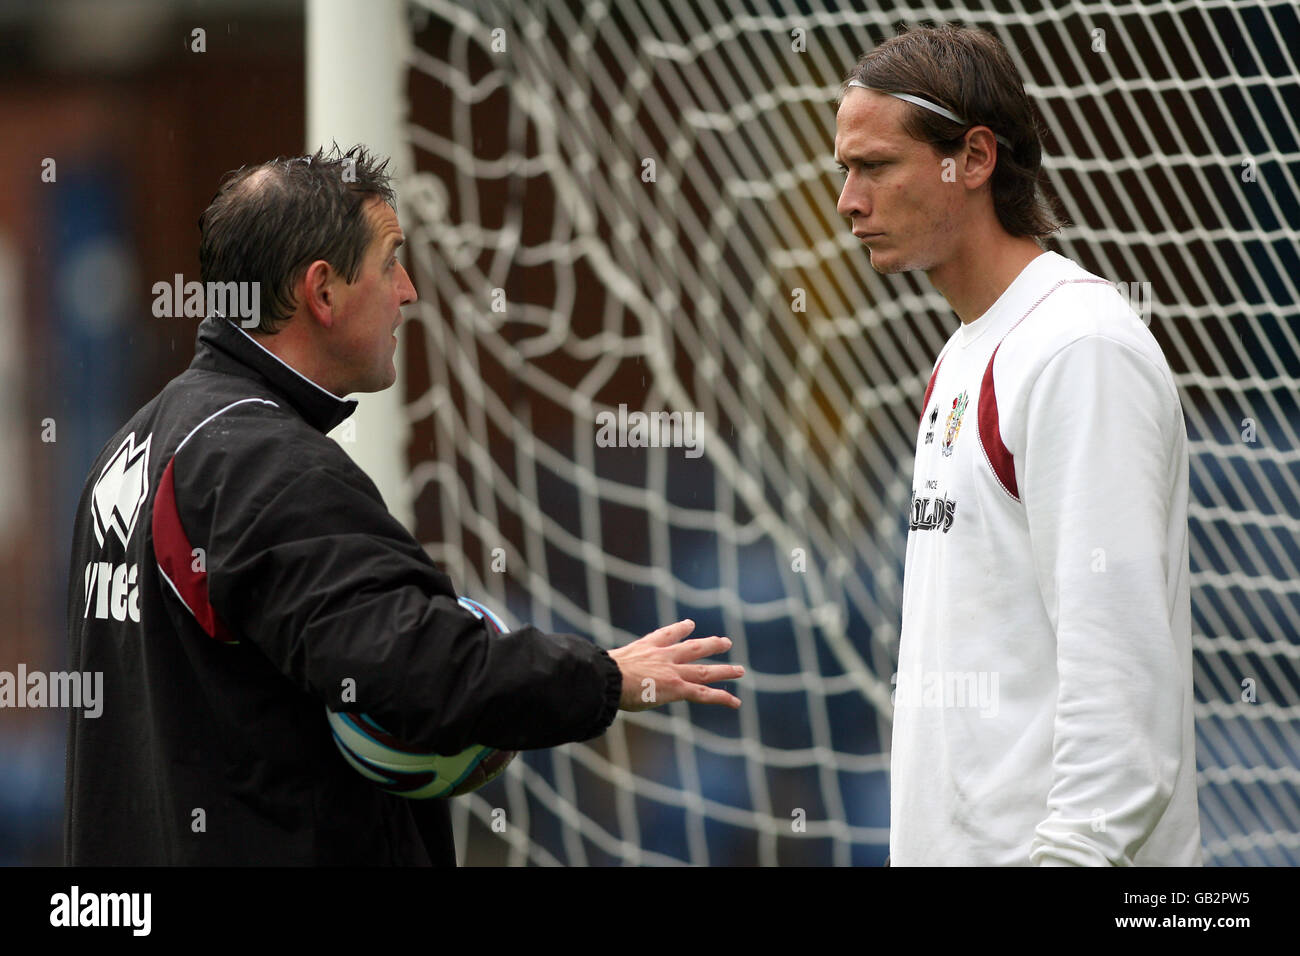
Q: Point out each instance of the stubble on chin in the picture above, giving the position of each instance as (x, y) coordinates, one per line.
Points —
(895, 266)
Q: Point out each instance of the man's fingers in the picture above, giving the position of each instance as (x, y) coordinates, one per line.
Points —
(711, 673)
(693, 650)
(670, 634)
(700, 694)
(660, 658)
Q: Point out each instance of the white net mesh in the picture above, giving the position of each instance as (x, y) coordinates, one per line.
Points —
(633, 204)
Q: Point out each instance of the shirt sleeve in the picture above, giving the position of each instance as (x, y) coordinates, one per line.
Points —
(305, 562)
(1104, 430)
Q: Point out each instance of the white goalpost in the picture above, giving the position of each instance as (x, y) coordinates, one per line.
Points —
(632, 204)
(355, 75)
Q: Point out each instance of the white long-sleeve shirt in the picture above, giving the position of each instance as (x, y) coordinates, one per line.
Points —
(1043, 707)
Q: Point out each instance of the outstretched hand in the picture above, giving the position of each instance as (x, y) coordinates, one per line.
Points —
(658, 669)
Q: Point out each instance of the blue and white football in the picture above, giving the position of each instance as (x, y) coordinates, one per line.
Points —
(407, 771)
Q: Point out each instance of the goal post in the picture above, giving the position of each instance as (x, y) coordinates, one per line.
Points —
(356, 68)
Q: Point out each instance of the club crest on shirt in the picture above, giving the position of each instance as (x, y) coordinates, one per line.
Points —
(954, 423)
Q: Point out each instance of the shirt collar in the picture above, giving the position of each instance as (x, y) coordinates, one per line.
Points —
(224, 347)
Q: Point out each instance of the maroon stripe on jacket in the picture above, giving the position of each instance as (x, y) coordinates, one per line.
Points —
(175, 556)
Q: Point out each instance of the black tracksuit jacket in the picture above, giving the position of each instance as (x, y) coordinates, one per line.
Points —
(233, 572)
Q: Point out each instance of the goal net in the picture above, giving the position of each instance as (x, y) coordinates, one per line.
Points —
(622, 209)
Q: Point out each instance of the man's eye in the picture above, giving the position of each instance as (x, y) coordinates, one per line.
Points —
(868, 167)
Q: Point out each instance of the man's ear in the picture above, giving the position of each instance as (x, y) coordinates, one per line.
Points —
(981, 157)
(316, 292)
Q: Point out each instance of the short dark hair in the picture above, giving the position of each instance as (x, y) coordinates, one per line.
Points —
(968, 71)
(268, 223)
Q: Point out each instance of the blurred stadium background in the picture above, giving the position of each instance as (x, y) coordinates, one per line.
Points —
(632, 203)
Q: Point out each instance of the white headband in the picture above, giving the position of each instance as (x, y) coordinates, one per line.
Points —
(927, 105)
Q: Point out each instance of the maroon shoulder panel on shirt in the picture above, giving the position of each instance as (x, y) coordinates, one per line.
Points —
(996, 452)
(175, 556)
(999, 458)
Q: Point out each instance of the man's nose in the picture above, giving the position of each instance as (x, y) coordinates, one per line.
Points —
(853, 199)
(406, 287)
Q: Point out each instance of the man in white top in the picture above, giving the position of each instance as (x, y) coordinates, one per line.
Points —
(1043, 701)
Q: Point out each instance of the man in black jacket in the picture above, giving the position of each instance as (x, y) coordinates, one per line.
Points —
(233, 570)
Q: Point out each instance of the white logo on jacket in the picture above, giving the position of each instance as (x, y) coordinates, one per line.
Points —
(120, 493)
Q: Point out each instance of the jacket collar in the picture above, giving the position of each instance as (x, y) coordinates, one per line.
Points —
(222, 346)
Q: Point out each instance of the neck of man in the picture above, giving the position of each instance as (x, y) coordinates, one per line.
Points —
(982, 266)
(293, 346)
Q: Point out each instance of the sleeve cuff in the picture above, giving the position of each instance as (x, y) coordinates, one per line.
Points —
(613, 693)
